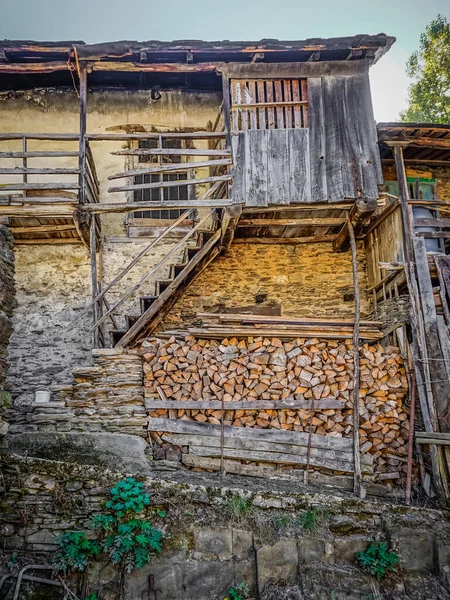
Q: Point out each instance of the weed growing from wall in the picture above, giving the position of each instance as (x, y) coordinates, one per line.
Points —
(378, 560)
(123, 533)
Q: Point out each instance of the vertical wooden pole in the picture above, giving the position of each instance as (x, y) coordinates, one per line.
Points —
(82, 143)
(358, 488)
(24, 162)
(408, 229)
(226, 107)
(410, 439)
(94, 279)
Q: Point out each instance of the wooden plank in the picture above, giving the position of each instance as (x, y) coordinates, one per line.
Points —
(302, 240)
(299, 208)
(440, 222)
(235, 467)
(226, 109)
(319, 221)
(288, 103)
(238, 189)
(71, 137)
(35, 171)
(267, 452)
(296, 98)
(433, 436)
(270, 110)
(39, 154)
(242, 89)
(172, 168)
(5, 187)
(262, 122)
(279, 104)
(168, 184)
(179, 135)
(234, 89)
(101, 208)
(270, 435)
(256, 167)
(293, 70)
(245, 318)
(441, 389)
(251, 99)
(337, 160)
(277, 160)
(43, 229)
(299, 166)
(161, 152)
(304, 108)
(287, 404)
(433, 234)
(317, 145)
(275, 457)
(66, 240)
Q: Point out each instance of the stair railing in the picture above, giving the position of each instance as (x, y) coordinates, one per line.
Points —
(131, 290)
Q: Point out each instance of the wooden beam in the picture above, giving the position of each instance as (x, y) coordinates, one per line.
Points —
(43, 228)
(39, 154)
(314, 239)
(170, 152)
(287, 404)
(148, 135)
(49, 212)
(321, 222)
(168, 184)
(434, 234)
(132, 67)
(358, 489)
(230, 218)
(360, 213)
(68, 240)
(293, 207)
(33, 171)
(67, 137)
(8, 187)
(149, 206)
(408, 229)
(82, 142)
(293, 70)
(175, 168)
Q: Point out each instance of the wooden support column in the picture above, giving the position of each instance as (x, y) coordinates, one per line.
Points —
(357, 485)
(408, 229)
(226, 107)
(230, 218)
(94, 280)
(360, 212)
(82, 144)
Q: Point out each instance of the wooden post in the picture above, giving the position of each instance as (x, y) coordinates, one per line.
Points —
(82, 143)
(358, 489)
(226, 107)
(410, 439)
(94, 279)
(408, 229)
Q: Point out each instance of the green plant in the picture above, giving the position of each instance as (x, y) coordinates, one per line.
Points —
(377, 560)
(123, 533)
(240, 592)
(75, 551)
(309, 520)
(239, 506)
(280, 520)
(91, 596)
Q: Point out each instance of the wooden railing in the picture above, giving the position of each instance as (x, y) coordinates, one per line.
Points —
(38, 177)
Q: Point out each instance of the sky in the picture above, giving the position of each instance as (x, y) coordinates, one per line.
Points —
(110, 20)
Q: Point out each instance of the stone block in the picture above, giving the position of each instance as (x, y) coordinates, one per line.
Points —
(242, 543)
(345, 525)
(443, 554)
(346, 548)
(167, 581)
(43, 536)
(417, 550)
(206, 580)
(278, 562)
(213, 543)
(313, 550)
(322, 583)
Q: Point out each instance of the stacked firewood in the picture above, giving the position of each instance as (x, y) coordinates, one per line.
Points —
(314, 376)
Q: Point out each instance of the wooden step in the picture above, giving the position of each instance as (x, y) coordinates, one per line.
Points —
(116, 335)
(175, 270)
(146, 302)
(189, 253)
(161, 285)
(131, 320)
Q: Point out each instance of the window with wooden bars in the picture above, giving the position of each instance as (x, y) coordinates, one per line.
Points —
(268, 104)
(175, 193)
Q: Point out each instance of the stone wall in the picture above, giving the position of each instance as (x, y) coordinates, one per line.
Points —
(7, 296)
(215, 545)
(306, 280)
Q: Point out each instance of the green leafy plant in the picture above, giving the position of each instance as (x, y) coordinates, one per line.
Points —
(129, 539)
(91, 596)
(240, 592)
(309, 520)
(75, 551)
(378, 560)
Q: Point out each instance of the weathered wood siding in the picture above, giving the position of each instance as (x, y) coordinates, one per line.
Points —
(335, 158)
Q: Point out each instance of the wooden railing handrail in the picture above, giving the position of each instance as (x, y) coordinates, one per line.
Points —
(66, 137)
(123, 137)
(131, 290)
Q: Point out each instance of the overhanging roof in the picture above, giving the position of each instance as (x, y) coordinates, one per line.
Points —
(23, 63)
(423, 143)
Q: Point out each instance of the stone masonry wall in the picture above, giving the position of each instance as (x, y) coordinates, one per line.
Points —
(307, 280)
(214, 546)
(7, 296)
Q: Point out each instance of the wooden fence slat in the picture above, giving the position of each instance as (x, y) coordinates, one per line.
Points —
(296, 98)
(261, 110)
(251, 98)
(270, 110)
(287, 100)
(304, 96)
(279, 110)
(277, 165)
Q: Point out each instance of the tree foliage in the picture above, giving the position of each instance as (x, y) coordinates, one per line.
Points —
(429, 67)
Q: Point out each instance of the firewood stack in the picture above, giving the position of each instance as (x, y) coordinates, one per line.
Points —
(312, 373)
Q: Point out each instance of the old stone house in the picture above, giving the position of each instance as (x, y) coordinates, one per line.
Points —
(210, 246)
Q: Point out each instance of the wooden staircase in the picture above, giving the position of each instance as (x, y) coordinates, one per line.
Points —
(167, 291)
